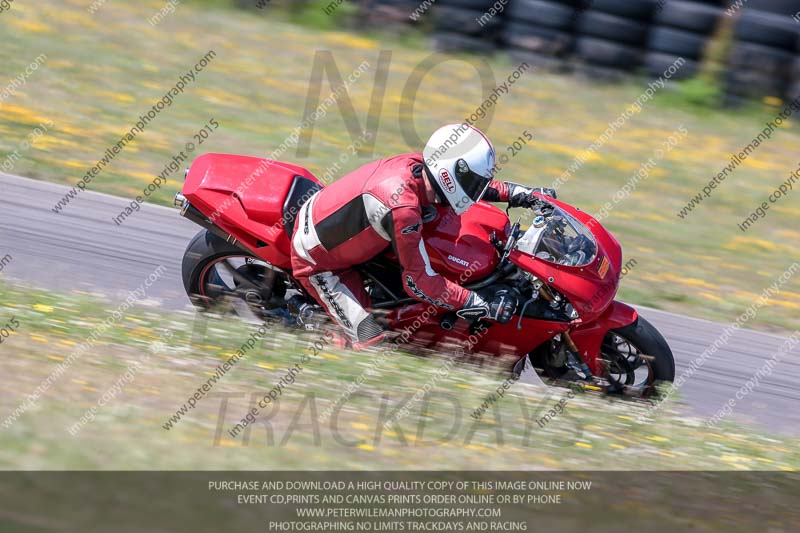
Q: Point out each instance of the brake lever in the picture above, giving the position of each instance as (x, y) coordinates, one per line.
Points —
(542, 208)
(511, 242)
(524, 307)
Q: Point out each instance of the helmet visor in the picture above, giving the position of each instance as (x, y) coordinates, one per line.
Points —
(474, 184)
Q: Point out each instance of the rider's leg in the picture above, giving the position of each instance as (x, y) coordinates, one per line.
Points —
(343, 297)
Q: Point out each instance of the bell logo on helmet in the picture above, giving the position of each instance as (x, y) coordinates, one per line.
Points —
(447, 181)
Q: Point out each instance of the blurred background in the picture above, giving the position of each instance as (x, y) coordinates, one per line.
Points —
(106, 64)
(607, 122)
(734, 49)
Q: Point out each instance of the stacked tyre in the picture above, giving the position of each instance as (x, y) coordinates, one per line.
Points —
(385, 13)
(763, 53)
(793, 94)
(540, 31)
(611, 35)
(681, 30)
(466, 25)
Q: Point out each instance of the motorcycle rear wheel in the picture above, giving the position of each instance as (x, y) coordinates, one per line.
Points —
(218, 275)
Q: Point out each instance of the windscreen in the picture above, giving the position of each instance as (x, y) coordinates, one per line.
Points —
(559, 238)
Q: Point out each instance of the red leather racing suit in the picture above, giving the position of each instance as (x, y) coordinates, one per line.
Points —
(353, 220)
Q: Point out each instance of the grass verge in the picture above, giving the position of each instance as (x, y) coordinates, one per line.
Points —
(435, 430)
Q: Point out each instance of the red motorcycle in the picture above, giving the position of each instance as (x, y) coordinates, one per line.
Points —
(564, 270)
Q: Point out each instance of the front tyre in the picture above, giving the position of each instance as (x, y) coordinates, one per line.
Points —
(637, 358)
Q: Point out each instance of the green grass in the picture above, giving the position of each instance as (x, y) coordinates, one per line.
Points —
(104, 70)
(594, 432)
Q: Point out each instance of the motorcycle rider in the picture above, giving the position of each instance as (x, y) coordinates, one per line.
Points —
(380, 204)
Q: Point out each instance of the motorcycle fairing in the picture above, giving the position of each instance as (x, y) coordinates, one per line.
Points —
(246, 196)
(588, 336)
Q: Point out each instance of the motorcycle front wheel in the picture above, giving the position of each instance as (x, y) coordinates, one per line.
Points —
(636, 359)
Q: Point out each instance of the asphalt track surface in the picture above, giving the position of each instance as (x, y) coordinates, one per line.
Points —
(81, 248)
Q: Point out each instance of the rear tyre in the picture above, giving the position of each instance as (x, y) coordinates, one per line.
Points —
(218, 275)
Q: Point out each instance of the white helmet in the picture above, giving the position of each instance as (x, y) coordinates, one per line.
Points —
(459, 160)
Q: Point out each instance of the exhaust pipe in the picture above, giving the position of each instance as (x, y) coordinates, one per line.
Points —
(193, 214)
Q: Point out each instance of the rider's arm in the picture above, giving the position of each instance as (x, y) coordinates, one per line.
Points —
(498, 191)
(515, 194)
(404, 225)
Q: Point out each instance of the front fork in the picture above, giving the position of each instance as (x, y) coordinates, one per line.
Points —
(586, 339)
(574, 359)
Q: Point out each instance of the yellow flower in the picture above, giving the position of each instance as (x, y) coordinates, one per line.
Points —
(351, 41)
(35, 27)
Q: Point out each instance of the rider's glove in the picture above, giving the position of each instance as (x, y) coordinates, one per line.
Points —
(499, 308)
(522, 196)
